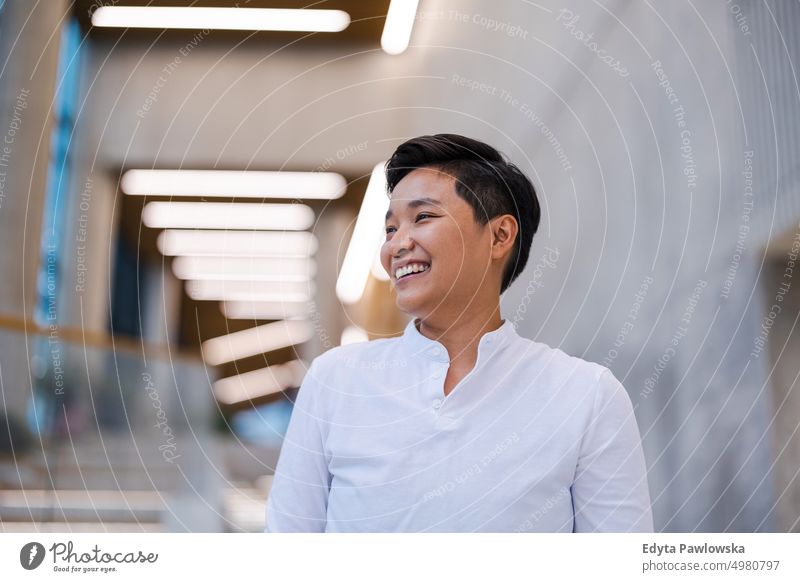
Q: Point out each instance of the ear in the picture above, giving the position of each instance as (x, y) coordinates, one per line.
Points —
(504, 234)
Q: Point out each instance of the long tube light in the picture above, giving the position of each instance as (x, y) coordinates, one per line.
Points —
(256, 340)
(228, 215)
(244, 268)
(234, 184)
(365, 241)
(219, 18)
(353, 334)
(399, 23)
(260, 383)
(377, 269)
(237, 243)
(250, 290)
(264, 309)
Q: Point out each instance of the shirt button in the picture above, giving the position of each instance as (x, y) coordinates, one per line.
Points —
(437, 374)
(437, 404)
(434, 351)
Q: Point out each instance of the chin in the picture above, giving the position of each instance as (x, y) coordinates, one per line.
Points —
(405, 307)
(411, 307)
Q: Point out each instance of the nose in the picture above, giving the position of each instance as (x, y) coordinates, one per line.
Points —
(401, 242)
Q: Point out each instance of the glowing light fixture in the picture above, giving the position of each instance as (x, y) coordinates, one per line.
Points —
(399, 23)
(366, 239)
(244, 268)
(377, 269)
(353, 334)
(221, 290)
(234, 183)
(264, 309)
(194, 17)
(229, 216)
(260, 383)
(256, 340)
(237, 243)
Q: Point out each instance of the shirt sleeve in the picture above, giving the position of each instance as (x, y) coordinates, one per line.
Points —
(610, 491)
(298, 498)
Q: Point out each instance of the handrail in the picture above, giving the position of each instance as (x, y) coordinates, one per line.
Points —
(100, 340)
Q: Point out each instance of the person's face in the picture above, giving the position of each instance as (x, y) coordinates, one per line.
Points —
(428, 224)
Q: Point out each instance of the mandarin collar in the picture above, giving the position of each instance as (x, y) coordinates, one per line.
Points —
(489, 343)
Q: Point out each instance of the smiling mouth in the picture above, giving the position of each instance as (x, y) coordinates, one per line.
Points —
(413, 275)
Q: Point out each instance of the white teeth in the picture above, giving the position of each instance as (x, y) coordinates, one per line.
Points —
(413, 268)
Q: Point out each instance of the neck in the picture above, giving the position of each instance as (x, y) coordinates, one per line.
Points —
(461, 336)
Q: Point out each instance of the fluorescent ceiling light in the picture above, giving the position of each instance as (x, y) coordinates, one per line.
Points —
(260, 383)
(264, 309)
(194, 17)
(256, 340)
(244, 268)
(237, 243)
(366, 238)
(234, 183)
(250, 290)
(353, 334)
(228, 215)
(399, 23)
(377, 268)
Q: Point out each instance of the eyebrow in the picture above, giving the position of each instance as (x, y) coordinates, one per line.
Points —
(416, 203)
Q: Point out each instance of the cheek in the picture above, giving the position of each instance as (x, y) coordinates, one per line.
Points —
(455, 243)
(468, 255)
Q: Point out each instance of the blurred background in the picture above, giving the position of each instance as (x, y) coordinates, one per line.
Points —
(189, 214)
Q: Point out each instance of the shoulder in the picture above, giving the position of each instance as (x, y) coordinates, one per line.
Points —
(585, 384)
(555, 364)
(347, 370)
(596, 398)
(353, 355)
(342, 354)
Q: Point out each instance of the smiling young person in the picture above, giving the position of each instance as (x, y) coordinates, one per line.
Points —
(460, 424)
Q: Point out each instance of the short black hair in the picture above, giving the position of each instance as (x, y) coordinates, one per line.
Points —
(490, 184)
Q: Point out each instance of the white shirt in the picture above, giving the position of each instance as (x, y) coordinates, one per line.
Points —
(530, 440)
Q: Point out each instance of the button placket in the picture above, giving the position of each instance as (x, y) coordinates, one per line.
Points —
(438, 384)
(438, 363)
